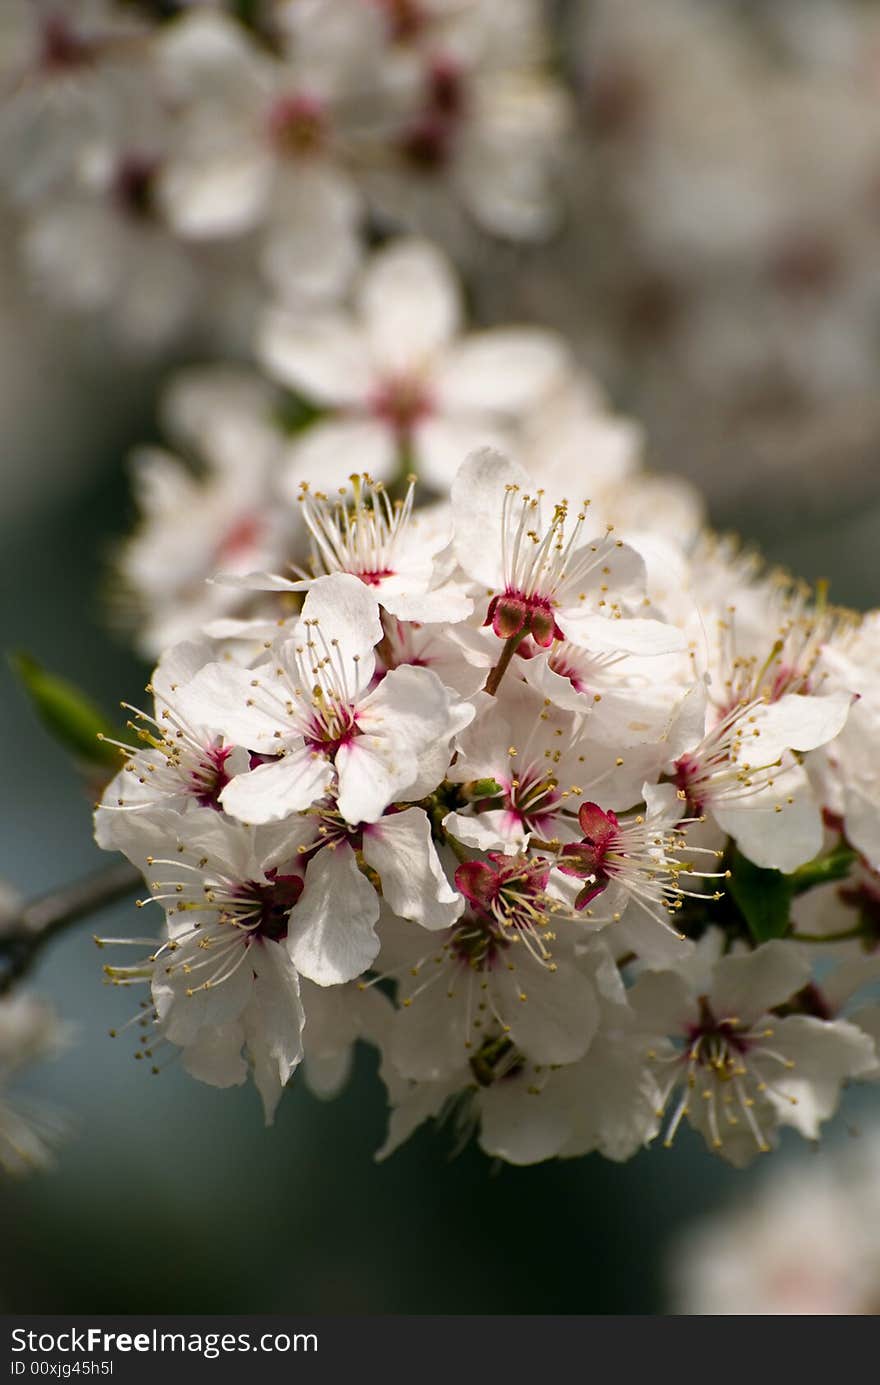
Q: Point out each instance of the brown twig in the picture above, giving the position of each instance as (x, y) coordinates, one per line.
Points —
(23, 937)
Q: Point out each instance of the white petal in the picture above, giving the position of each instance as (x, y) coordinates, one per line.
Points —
(661, 1002)
(778, 840)
(552, 1014)
(746, 987)
(312, 247)
(519, 1126)
(347, 614)
(275, 790)
(216, 1057)
(371, 774)
(409, 713)
(185, 1007)
(496, 830)
(274, 1022)
(848, 979)
(179, 665)
(655, 941)
(613, 1097)
(477, 500)
(332, 935)
(222, 697)
(409, 301)
(504, 171)
(418, 1103)
(796, 722)
(824, 1056)
(324, 357)
(203, 49)
(330, 450)
(414, 884)
(449, 603)
(441, 444)
(601, 633)
(209, 198)
(429, 1036)
(862, 810)
(327, 1075)
(504, 370)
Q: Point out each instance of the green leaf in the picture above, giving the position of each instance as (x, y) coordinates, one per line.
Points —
(295, 413)
(762, 896)
(67, 713)
(825, 869)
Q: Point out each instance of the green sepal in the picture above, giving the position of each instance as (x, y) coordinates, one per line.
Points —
(763, 897)
(482, 788)
(825, 869)
(294, 413)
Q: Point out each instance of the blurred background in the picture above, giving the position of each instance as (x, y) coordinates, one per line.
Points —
(718, 269)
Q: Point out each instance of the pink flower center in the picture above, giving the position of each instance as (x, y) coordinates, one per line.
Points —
(712, 1041)
(429, 141)
(446, 88)
(508, 895)
(567, 669)
(376, 577)
(475, 943)
(501, 882)
(210, 778)
(401, 402)
(274, 902)
(330, 728)
(240, 539)
(690, 781)
(532, 801)
(61, 47)
(297, 126)
(787, 679)
(405, 18)
(132, 186)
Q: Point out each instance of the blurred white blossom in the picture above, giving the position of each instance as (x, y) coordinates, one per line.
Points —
(30, 1032)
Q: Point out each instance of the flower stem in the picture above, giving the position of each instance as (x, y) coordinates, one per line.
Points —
(857, 932)
(498, 672)
(22, 938)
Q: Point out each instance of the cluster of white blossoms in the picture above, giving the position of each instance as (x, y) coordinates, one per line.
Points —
(388, 380)
(805, 1243)
(162, 156)
(511, 770)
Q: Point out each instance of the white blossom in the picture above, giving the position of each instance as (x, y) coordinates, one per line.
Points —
(736, 1069)
(398, 380)
(30, 1032)
(548, 581)
(223, 985)
(313, 714)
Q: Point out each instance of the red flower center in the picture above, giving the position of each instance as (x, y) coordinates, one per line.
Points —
(274, 901)
(515, 613)
(211, 778)
(588, 858)
(401, 401)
